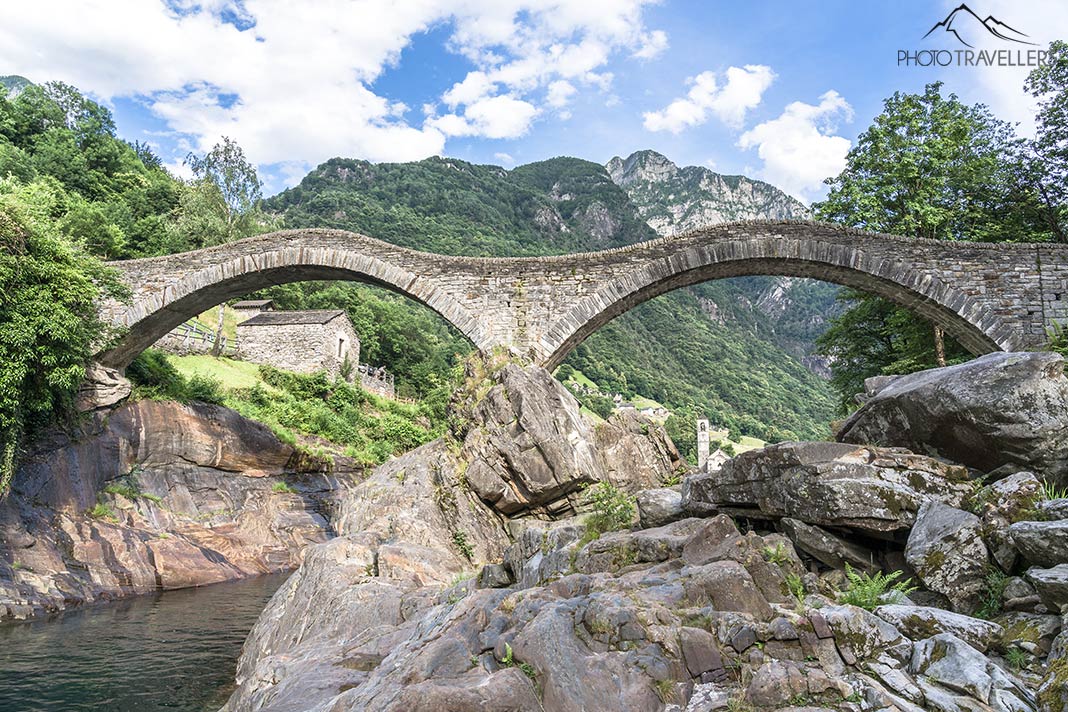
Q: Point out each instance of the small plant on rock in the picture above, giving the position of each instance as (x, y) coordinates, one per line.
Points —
(870, 590)
(994, 583)
(665, 690)
(283, 488)
(1016, 658)
(459, 539)
(796, 587)
(1051, 491)
(100, 511)
(612, 508)
(775, 554)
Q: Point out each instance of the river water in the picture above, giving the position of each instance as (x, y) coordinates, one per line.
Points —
(173, 651)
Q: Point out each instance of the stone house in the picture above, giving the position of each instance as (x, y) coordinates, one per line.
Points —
(301, 341)
(249, 308)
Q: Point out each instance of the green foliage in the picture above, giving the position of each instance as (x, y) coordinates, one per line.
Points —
(1017, 658)
(994, 583)
(49, 325)
(870, 590)
(459, 540)
(155, 377)
(100, 511)
(929, 166)
(796, 587)
(612, 508)
(1058, 339)
(126, 490)
(1051, 491)
(775, 554)
(283, 488)
(1046, 167)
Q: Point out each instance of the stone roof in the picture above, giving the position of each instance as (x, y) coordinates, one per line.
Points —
(279, 318)
(253, 304)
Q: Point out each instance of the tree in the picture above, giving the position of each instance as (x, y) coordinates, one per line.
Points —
(49, 326)
(929, 166)
(222, 202)
(1046, 167)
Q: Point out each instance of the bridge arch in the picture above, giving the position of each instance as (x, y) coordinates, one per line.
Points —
(167, 291)
(806, 252)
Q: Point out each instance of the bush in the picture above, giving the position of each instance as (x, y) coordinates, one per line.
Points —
(612, 508)
(868, 591)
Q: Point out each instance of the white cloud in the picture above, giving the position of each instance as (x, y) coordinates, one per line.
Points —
(303, 72)
(492, 117)
(799, 148)
(742, 92)
(505, 159)
(560, 93)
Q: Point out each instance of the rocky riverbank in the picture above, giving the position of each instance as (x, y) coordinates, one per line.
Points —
(157, 495)
(464, 576)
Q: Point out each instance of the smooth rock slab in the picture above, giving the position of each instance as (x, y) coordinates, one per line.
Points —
(919, 622)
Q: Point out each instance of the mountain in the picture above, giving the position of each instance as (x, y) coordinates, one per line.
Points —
(725, 365)
(788, 311)
(971, 30)
(14, 84)
(674, 200)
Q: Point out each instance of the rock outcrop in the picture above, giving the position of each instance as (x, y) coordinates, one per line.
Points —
(999, 409)
(873, 490)
(155, 495)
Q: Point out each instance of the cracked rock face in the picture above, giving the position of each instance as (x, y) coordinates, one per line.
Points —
(157, 495)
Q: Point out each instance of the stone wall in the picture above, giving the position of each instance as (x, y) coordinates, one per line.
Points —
(989, 296)
(304, 348)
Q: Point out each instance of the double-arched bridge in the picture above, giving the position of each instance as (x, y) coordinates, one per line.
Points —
(990, 297)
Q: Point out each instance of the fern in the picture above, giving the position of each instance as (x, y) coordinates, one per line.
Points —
(870, 590)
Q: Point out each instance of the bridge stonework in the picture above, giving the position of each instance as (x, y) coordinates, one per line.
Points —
(990, 297)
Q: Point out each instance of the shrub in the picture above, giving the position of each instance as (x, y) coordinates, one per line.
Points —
(612, 508)
(283, 488)
(868, 591)
(775, 554)
(994, 583)
(155, 377)
(460, 540)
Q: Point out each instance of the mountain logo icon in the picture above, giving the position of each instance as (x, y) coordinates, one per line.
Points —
(969, 29)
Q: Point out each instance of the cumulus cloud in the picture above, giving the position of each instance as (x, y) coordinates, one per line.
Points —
(293, 82)
(743, 90)
(799, 148)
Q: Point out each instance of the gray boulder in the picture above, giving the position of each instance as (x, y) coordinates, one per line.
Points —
(1053, 508)
(824, 546)
(999, 409)
(946, 550)
(919, 622)
(1051, 584)
(1041, 543)
(950, 662)
(876, 490)
(657, 507)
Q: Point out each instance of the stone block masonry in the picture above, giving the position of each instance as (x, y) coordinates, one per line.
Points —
(990, 297)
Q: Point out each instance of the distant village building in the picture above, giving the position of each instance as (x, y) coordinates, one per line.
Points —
(715, 460)
(251, 307)
(301, 341)
(377, 380)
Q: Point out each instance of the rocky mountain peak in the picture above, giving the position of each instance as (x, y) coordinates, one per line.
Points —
(641, 166)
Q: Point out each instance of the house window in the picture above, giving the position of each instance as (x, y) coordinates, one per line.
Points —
(341, 348)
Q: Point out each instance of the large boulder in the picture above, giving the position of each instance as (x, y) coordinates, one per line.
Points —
(999, 409)
(875, 490)
(946, 550)
(1041, 543)
(529, 448)
(948, 661)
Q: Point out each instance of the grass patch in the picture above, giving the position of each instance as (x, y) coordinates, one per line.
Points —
(283, 488)
(101, 511)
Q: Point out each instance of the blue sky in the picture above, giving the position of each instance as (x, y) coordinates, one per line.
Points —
(773, 90)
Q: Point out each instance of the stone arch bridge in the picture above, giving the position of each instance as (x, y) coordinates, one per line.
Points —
(989, 296)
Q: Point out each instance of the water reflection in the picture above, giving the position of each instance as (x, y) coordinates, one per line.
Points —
(171, 651)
